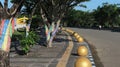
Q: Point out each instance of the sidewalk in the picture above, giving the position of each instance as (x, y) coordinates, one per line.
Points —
(41, 56)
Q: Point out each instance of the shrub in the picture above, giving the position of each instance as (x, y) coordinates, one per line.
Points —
(27, 42)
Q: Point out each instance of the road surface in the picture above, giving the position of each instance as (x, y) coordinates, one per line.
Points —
(107, 45)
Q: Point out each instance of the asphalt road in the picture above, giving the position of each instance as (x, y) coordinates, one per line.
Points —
(107, 44)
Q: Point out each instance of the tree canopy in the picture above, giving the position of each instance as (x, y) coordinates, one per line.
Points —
(108, 14)
(51, 11)
(9, 12)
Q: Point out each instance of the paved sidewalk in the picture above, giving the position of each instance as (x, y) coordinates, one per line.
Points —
(41, 56)
(64, 51)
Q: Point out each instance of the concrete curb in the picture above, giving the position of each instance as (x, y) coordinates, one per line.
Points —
(93, 56)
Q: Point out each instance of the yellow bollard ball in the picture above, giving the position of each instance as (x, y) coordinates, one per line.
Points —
(77, 36)
(82, 51)
(71, 32)
(80, 39)
(67, 30)
(63, 28)
(83, 62)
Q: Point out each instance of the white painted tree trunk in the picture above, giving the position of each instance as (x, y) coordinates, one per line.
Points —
(54, 33)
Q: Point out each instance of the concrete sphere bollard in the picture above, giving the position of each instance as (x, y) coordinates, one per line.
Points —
(80, 39)
(77, 36)
(63, 29)
(83, 62)
(71, 32)
(67, 30)
(82, 51)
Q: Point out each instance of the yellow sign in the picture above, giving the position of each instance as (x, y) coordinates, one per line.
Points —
(22, 20)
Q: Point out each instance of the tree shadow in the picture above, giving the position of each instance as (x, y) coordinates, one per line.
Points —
(74, 54)
(17, 48)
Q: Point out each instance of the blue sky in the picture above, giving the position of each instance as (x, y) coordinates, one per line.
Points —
(92, 4)
(9, 4)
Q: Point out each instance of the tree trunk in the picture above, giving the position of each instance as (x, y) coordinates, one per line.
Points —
(4, 59)
(7, 14)
(54, 33)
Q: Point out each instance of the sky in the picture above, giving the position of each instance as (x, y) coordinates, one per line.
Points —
(9, 4)
(92, 4)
